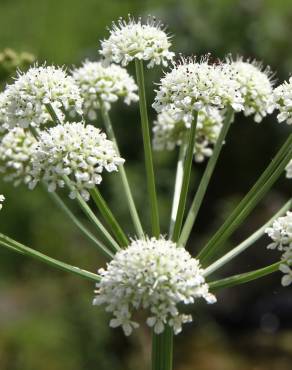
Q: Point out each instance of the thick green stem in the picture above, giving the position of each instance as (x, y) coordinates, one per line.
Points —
(91, 216)
(178, 184)
(199, 196)
(249, 202)
(244, 278)
(13, 245)
(100, 246)
(147, 149)
(162, 350)
(246, 243)
(186, 180)
(109, 217)
(123, 175)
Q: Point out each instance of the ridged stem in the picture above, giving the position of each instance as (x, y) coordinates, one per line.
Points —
(123, 175)
(199, 196)
(100, 246)
(147, 149)
(177, 185)
(249, 202)
(246, 243)
(162, 350)
(186, 180)
(109, 217)
(15, 246)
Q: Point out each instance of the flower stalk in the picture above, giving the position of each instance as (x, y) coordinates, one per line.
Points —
(147, 149)
(249, 202)
(123, 175)
(199, 196)
(109, 217)
(186, 180)
(11, 244)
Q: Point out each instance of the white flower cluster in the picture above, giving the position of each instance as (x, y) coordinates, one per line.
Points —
(281, 234)
(98, 83)
(256, 88)
(3, 118)
(27, 97)
(152, 274)
(283, 101)
(132, 39)
(75, 150)
(194, 86)
(16, 148)
(2, 198)
(168, 132)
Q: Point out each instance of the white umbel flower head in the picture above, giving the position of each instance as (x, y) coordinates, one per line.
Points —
(16, 148)
(79, 151)
(132, 39)
(281, 234)
(193, 86)
(256, 87)
(100, 84)
(155, 275)
(283, 101)
(168, 132)
(28, 96)
(2, 198)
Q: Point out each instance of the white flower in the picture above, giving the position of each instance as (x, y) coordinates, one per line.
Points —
(3, 115)
(283, 101)
(192, 86)
(168, 132)
(289, 170)
(155, 275)
(281, 234)
(16, 148)
(132, 39)
(28, 95)
(2, 198)
(75, 150)
(98, 83)
(256, 88)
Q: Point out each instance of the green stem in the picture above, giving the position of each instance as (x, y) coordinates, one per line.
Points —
(186, 180)
(11, 244)
(244, 278)
(123, 175)
(199, 196)
(246, 243)
(178, 184)
(147, 149)
(100, 246)
(109, 217)
(248, 203)
(91, 216)
(162, 350)
(53, 114)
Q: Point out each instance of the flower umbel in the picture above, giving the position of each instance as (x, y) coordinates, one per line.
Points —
(27, 97)
(168, 132)
(155, 275)
(193, 86)
(79, 151)
(132, 39)
(256, 87)
(283, 101)
(16, 148)
(281, 234)
(100, 84)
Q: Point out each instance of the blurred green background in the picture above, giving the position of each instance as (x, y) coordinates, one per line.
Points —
(47, 321)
